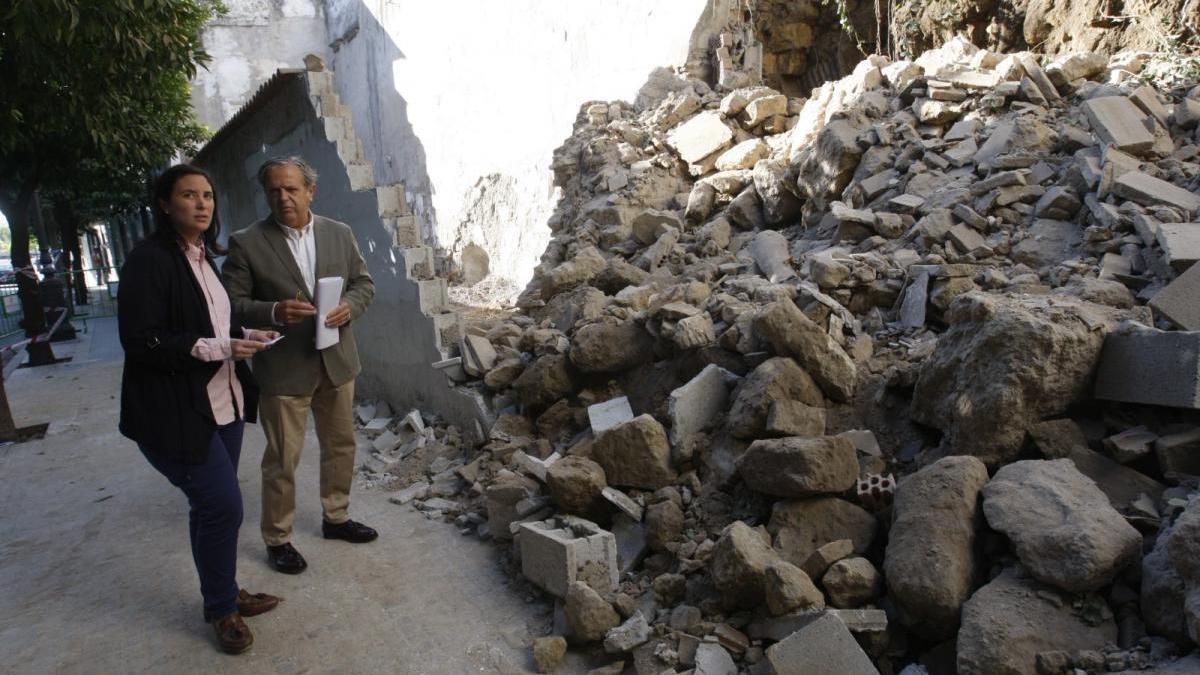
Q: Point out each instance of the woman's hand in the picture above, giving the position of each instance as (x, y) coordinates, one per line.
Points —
(244, 349)
(261, 335)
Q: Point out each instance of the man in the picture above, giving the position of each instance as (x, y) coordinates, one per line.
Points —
(271, 274)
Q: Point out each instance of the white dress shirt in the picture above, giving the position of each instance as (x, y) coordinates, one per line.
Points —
(303, 245)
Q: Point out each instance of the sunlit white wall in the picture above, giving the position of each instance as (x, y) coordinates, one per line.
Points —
(465, 100)
(247, 45)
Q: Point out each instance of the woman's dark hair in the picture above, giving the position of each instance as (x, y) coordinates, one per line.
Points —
(163, 186)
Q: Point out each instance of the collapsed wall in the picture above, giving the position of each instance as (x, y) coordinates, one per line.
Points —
(409, 326)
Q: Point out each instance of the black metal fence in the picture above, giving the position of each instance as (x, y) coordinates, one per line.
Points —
(92, 293)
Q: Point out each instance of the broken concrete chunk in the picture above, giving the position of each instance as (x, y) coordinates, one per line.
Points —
(694, 406)
(556, 552)
(1130, 444)
(801, 526)
(1177, 302)
(793, 418)
(588, 614)
(624, 638)
(744, 155)
(851, 582)
(575, 483)
(789, 589)
(824, 645)
(1019, 355)
(770, 251)
(650, 224)
(606, 415)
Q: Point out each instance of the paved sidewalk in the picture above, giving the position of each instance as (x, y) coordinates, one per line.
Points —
(96, 575)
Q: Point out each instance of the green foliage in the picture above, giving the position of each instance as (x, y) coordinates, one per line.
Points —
(843, 14)
(95, 92)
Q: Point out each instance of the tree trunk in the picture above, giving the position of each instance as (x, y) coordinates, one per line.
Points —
(8, 428)
(68, 231)
(34, 321)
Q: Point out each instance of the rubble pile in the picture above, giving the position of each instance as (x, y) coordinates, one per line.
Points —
(899, 378)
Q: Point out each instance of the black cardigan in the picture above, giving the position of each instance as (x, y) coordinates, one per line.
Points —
(161, 312)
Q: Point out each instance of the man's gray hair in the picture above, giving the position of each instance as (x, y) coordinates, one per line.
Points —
(309, 173)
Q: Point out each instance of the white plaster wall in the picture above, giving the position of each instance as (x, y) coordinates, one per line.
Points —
(465, 100)
(253, 40)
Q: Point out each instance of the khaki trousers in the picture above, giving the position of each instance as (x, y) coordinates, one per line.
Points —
(283, 420)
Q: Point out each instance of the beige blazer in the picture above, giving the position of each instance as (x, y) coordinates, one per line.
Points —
(260, 271)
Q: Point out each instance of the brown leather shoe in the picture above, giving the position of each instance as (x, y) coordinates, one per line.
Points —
(233, 635)
(253, 604)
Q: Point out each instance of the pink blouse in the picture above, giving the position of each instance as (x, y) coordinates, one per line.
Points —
(224, 389)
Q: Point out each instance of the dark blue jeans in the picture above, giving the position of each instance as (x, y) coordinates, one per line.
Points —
(215, 515)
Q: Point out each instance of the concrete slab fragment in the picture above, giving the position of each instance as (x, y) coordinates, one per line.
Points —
(1150, 366)
(1180, 300)
(1117, 120)
(1180, 244)
(1150, 191)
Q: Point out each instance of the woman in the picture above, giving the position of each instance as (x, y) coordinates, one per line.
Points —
(186, 391)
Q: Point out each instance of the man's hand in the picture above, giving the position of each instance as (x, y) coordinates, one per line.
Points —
(292, 312)
(261, 335)
(338, 316)
(244, 349)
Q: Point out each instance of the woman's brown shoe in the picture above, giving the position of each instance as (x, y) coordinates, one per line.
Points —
(233, 635)
(253, 604)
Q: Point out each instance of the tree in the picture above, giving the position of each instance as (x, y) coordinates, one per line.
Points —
(96, 95)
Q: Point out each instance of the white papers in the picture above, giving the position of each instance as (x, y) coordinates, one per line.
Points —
(329, 294)
(271, 342)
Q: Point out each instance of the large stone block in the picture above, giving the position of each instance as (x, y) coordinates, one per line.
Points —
(1008, 622)
(930, 563)
(738, 565)
(608, 348)
(799, 467)
(561, 550)
(801, 526)
(793, 334)
(635, 454)
(776, 379)
(700, 137)
(1064, 530)
(1150, 366)
(1020, 359)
